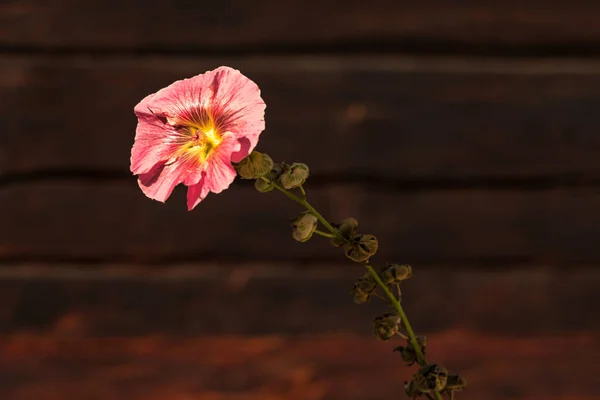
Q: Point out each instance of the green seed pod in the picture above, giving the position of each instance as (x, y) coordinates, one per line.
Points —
(386, 326)
(263, 186)
(304, 226)
(361, 247)
(395, 273)
(254, 166)
(294, 175)
(347, 230)
(275, 172)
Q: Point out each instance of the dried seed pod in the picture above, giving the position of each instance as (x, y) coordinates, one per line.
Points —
(408, 352)
(386, 326)
(432, 377)
(347, 229)
(411, 389)
(361, 247)
(363, 288)
(361, 297)
(254, 166)
(304, 226)
(294, 175)
(454, 383)
(395, 273)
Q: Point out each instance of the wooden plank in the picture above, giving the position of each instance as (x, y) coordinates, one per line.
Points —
(274, 368)
(260, 299)
(264, 24)
(106, 222)
(350, 118)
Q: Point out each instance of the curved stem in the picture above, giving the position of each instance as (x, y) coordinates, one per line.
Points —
(325, 234)
(411, 335)
(401, 313)
(395, 302)
(303, 192)
(305, 204)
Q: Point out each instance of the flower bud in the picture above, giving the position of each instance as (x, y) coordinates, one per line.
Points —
(361, 247)
(294, 175)
(254, 166)
(408, 352)
(395, 273)
(346, 229)
(304, 226)
(386, 326)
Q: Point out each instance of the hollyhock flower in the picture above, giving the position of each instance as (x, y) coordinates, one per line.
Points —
(191, 131)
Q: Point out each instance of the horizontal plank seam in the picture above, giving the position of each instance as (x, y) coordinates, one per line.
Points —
(211, 270)
(15, 257)
(325, 63)
(370, 179)
(364, 46)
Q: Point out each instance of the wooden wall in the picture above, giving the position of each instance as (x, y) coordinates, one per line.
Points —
(465, 135)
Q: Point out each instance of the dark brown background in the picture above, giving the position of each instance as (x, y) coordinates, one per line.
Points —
(465, 135)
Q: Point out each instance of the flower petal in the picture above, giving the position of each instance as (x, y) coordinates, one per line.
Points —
(155, 140)
(219, 171)
(196, 193)
(238, 99)
(159, 182)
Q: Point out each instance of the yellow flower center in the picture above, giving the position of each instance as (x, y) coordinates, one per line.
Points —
(202, 140)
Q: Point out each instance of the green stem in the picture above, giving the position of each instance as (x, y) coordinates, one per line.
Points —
(303, 192)
(325, 234)
(401, 313)
(411, 335)
(305, 204)
(334, 232)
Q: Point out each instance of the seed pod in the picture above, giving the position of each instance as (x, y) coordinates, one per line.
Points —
(294, 175)
(386, 326)
(395, 273)
(254, 166)
(411, 389)
(455, 383)
(363, 288)
(361, 297)
(267, 185)
(361, 247)
(263, 186)
(304, 226)
(433, 377)
(408, 352)
(346, 229)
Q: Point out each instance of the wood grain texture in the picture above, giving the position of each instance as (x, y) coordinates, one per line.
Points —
(282, 299)
(202, 25)
(115, 221)
(344, 367)
(377, 117)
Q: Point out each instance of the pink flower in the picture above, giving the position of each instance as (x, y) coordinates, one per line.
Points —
(191, 131)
